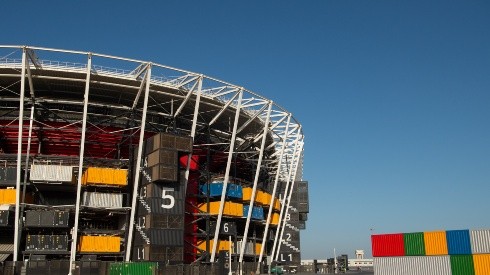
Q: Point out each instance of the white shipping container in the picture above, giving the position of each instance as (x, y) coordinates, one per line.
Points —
(103, 200)
(412, 265)
(249, 248)
(480, 241)
(51, 173)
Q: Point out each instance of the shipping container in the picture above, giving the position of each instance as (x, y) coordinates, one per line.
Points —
(275, 219)
(46, 243)
(414, 244)
(159, 173)
(229, 208)
(480, 241)
(169, 141)
(105, 176)
(7, 196)
(8, 175)
(412, 265)
(158, 236)
(50, 218)
(435, 243)
(481, 264)
(167, 205)
(216, 188)
(462, 265)
(257, 212)
(387, 245)
(102, 200)
(166, 221)
(103, 244)
(226, 228)
(160, 253)
(6, 218)
(458, 242)
(277, 204)
(164, 157)
(162, 190)
(51, 173)
(223, 245)
(138, 268)
(249, 248)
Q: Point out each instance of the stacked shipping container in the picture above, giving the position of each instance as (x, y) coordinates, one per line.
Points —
(451, 252)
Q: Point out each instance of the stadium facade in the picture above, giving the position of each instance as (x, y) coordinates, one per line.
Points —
(113, 159)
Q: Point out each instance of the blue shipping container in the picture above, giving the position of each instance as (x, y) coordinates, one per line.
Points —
(257, 212)
(215, 189)
(458, 242)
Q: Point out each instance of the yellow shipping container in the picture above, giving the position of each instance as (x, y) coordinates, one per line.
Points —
(277, 205)
(229, 209)
(258, 247)
(99, 244)
(275, 218)
(105, 176)
(223, 245)
(481, 263)
(7, 196)
(266, 198)
(247, 193)
(435, 243)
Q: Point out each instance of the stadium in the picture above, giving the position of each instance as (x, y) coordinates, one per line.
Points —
(108, 160)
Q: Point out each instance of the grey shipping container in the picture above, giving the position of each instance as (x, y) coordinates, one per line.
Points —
(6, 218)
(301, 225)
(156, 236)
(480, 241)
(51, 173)
(161, 206)
(303, 216)
(303, 207)
(102, 200)
(165, 157)
(160, 253)
(164, 221)
(8, 175)
(226, 228)
(49, 218)
(161, 190)
(412, 265)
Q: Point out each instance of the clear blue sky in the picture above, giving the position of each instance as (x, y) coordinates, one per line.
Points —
(394, 96)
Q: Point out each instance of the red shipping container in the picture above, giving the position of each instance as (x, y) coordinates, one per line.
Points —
(388, 245)
(194, 162)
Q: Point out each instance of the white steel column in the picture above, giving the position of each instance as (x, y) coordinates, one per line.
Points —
(274, 190)
(193, 130)
(137, 168)
(289, 197)
(281, 214)
(17, 219)
(254, 188)
(74, 240)
(227, 175)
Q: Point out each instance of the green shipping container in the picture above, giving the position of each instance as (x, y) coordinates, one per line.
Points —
(138, 268)
(462, 265)
(414, 244)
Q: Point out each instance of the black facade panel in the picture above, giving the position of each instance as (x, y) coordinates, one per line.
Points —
(303, 216)
(8, 175)
(159, 173)
(158, 253)
(153, 236)
(50, 219)
(163, 221)
(226, 228)
(6, 218)
(161, 190)
(161, 206)
(36, 243)
(289, 258)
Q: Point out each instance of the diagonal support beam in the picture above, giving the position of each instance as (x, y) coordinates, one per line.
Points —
(215, 118)
(34, 59)
(142, 85)
(252, 118)
(187, 97)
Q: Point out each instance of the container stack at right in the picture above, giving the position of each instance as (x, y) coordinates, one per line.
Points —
(449, 252)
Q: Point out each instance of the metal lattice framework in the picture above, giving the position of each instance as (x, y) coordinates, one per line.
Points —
(122, 99)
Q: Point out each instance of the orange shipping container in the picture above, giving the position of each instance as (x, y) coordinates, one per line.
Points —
(105, 176)
(275, 218)
(435, 243)
(223, 245)
(277, 204)
(7, 196)
(99, 244)
(258, 247)
(482, 264)
(229, 209)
